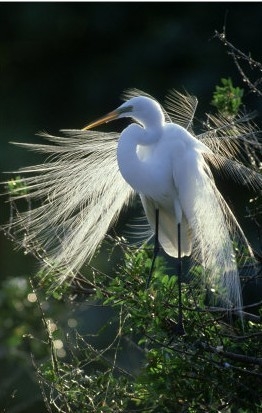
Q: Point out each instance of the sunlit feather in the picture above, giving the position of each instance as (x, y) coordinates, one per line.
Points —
(79, 192)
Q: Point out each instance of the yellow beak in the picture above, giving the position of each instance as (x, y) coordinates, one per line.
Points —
(107, 118)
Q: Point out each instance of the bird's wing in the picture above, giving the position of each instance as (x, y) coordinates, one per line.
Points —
(235, 170)
(236, 138)
(211, 224)
(75, 196)
(181, 108)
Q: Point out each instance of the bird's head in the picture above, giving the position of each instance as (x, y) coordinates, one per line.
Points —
(142, 109)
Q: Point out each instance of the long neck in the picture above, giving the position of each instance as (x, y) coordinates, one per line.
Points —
(134, 147)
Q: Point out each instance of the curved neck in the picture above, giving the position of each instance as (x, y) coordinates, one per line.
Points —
(134, 147)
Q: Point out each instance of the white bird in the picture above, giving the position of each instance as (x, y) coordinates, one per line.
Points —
(165, 164)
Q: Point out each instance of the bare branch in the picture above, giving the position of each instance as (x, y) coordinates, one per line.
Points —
(239, 57)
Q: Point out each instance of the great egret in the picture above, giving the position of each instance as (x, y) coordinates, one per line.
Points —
(159, 158)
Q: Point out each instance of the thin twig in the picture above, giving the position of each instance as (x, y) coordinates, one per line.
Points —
(237, 56)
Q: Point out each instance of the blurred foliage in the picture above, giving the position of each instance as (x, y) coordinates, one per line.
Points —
(227, 98)
(75, 375)
(16, 186)
(22, 338)
(61, 64)
(215, 367)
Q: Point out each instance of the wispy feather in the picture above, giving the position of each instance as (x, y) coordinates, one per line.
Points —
(78, 193)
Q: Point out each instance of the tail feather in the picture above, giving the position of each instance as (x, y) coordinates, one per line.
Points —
(78, 193)
(83, 193)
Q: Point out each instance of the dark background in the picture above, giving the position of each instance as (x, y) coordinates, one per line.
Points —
(64, 64)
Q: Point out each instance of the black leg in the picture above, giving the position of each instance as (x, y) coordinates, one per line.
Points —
(156, 250)
(179, 328)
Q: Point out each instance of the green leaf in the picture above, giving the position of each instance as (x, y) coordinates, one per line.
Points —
(227, 98)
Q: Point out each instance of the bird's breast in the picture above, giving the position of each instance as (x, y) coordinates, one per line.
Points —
(156, 180)
(148, 168)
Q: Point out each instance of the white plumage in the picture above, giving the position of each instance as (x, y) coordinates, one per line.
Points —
(90, 176)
